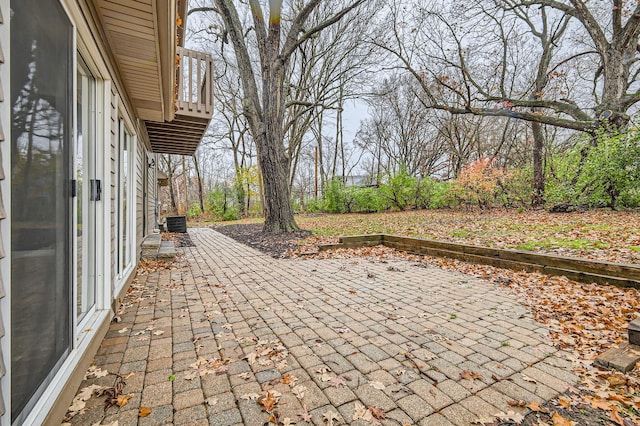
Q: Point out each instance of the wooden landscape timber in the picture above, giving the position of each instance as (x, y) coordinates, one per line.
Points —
(582, 270)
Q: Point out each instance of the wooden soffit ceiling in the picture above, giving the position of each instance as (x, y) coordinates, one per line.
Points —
(142, 35)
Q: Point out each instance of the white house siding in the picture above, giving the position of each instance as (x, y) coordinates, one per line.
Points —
(113, 180)
(140, 168)
(5, 155)
(152, 193)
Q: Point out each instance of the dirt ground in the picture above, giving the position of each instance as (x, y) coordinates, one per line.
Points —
(275, 245)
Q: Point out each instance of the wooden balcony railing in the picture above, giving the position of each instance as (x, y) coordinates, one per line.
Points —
(195, 84)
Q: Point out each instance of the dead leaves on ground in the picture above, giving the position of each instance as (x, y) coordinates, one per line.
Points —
(268, 353)
(114, 394)
(369, 414)
(204, 366)
(470, 375)
(558, 420)
(268, 400)
(493, 228)
(144, 411)
(533, 406)
(583, 319)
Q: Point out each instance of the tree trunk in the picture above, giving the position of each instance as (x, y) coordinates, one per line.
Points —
(538, 169)
(200, 190)
(277, 210)
(172, 194)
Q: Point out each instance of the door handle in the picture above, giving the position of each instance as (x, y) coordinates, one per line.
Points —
(96, 190)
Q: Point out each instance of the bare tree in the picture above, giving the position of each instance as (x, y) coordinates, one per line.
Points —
(455, 60)
(264, 103)
(402, 130)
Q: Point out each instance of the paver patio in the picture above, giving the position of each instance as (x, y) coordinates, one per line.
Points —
(396, 335)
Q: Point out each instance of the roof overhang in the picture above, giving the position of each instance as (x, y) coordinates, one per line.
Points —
(142, 35)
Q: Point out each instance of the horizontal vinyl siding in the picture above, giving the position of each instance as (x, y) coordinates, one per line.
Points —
(139, 170)
(152, 184)
(114, 188)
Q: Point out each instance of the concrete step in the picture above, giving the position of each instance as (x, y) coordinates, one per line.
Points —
(154, 248)
(167, 251)
(150, 245)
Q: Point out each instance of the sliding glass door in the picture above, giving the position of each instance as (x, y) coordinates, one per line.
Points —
(42, 190)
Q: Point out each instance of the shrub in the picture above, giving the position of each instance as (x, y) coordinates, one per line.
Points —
(479, 183)
(430, 194)
(400, 191)
(314, 205)
(516, 188)
(606, 175)
(221, 202)
(334, 196)
(194, 211)
(368, 200)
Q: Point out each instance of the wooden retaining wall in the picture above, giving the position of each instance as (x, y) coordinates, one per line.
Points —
(583, 270)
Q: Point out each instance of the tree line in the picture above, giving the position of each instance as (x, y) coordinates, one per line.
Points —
(544, 88)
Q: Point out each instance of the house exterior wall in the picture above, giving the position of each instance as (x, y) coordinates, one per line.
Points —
(5, 209)
(139, 171)
(116, 105)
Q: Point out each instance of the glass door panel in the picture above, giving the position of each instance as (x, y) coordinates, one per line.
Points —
(41, 197)
(86, 183)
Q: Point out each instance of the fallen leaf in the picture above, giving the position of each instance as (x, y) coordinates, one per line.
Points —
(601, 404)
(510, 416)
(558, 420)
(251, 358)
(565, 402)
(77, 405)
(361, 412)
(329, 417)
(617, 380)
(287, 422)
(245, 376)
(527, 378)
(337, 381)
(95, 373)
(377, 413)
(252, 396)
(123, 400)
(615, 416)
(377, 385)
(325, 377)
(517, 403)
(305, 416)
(268, 401)
(211, 401)
(144, 411)
(535, 406)
(298, 391)
(470, 375)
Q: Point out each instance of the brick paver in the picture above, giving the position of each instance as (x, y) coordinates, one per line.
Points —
(198, 342)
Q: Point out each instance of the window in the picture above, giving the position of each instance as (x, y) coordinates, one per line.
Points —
(87, 187)
(124, 257)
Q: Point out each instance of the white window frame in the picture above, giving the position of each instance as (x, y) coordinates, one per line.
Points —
(125, 266)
